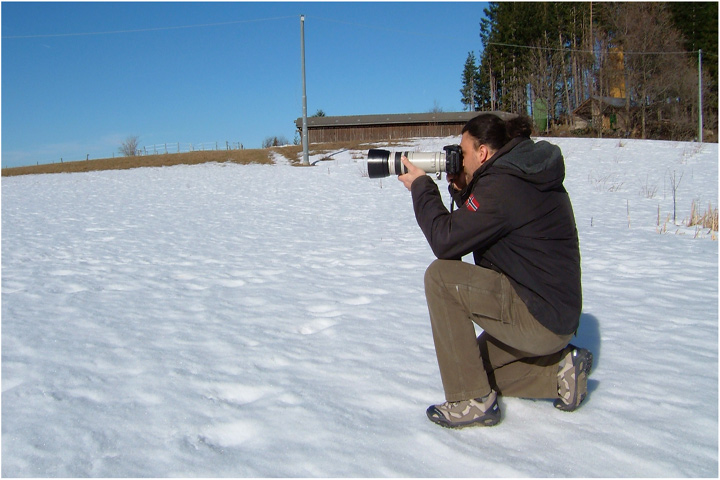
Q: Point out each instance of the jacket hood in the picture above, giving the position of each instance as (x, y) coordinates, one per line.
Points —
(540, 163)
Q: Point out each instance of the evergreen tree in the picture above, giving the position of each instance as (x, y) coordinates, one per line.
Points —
(506, 67)
(470, 84)
(559, 55)
(697, 22)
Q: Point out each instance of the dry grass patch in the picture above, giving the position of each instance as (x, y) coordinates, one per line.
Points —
(161, 160)
(708, 219)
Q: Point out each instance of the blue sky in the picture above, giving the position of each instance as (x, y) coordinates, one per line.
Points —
(71, 89)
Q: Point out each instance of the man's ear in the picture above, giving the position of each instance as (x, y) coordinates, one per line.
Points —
(483, 153)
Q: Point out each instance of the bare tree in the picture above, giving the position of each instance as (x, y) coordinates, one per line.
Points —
(656, 80)
(547, 79)
(129, 147)
(275, 141)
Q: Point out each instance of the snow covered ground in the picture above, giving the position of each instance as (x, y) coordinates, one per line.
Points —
(224, 320)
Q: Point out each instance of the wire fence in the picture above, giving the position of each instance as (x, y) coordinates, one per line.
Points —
(179, 147)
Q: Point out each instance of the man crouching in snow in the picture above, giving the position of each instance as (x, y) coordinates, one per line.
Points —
(524, 291)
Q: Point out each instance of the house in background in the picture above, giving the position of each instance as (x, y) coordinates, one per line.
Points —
(610, 112)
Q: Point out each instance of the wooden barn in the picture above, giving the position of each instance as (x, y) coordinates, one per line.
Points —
(386, 127)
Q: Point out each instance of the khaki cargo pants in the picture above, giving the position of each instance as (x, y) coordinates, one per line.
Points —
(515, 355)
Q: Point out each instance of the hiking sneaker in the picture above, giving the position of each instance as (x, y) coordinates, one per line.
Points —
(479, 411)
(573, 371)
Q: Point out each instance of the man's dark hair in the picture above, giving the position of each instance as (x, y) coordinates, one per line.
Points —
(491, 130)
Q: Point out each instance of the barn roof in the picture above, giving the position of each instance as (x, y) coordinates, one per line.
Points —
(393, 119)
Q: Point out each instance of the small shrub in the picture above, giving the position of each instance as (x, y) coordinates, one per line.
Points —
(129, 147)
(648, 190)
(605, 182)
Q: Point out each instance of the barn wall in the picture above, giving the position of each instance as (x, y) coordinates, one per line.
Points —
(382, 132)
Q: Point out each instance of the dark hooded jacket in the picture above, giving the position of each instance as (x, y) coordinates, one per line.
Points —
(516, 218)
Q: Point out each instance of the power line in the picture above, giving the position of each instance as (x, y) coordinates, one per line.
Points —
(554, 49)
(219, 24)
(140, 30)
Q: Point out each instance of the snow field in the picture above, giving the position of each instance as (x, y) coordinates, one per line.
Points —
(225, 320)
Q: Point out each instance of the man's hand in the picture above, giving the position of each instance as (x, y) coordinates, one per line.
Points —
(413, 173)
(458, 181)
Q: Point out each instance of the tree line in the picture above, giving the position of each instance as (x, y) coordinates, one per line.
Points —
(637, 60)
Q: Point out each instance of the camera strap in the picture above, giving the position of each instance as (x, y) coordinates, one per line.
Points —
(456, 198)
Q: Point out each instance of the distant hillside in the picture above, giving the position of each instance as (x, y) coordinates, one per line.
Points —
(263, 156)
(160, 160)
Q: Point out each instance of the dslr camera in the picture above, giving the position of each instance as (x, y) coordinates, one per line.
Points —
(383, 163)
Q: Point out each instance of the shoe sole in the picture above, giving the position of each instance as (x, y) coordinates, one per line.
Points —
(438, 418)
(585, 359)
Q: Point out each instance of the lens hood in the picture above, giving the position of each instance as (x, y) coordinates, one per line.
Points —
(377, 163)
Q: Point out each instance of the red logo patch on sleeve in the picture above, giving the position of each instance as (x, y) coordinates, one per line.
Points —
(472, 203)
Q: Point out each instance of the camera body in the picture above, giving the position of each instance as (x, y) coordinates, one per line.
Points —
(383, 163)
(453, 159)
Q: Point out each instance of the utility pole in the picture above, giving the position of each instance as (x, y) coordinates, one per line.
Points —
(306, 156)
(700, 114)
